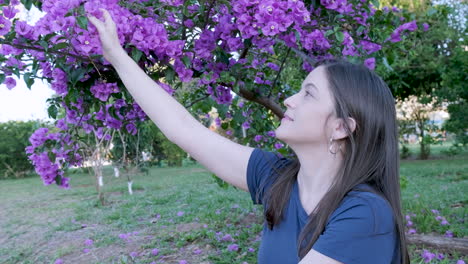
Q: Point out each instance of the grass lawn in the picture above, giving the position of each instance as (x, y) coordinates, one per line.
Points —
(181, 214)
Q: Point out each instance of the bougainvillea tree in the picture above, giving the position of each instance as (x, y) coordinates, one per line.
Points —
(210, 49)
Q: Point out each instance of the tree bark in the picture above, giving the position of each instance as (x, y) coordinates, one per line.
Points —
(444, 244)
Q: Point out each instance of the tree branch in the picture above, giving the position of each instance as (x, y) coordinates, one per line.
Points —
(298, 52)
(197, 100)
(279, 72)
(20, 46)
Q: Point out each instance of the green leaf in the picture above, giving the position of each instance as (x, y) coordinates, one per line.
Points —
(328, 33)
(169, 74)
(339, 36)
(52, 111)
(360, 29)
(236, 87)
(387, 65)
(224, 126)
(44, 44)
(82, 22)
(60, 45)
(431, 11)
(186, 61)
(76, 75)
(136, 54)
(2, 78)
(28, 80)
(27, 4)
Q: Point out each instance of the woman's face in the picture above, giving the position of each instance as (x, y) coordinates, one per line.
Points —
(310, 108)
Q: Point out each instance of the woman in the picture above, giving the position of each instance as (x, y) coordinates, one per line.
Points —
(338, 200)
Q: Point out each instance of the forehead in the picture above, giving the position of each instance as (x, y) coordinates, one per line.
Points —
(318, 78)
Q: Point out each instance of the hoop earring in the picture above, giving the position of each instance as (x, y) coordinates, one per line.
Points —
(333, 149)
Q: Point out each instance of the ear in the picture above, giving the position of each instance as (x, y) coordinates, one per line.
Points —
(339, 131)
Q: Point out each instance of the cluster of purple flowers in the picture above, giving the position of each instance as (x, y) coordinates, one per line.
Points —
(396, 35)
(51, 170)
(252, 25)
(60, 81)
(102, 90)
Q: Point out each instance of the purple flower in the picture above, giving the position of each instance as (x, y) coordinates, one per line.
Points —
(227, 237)
(370, 63)
(154, 252)
(58, 261)
(251, 249)
(189, 23)
(10, 83)
(197, 251)
(123, 236)
(370, 47)
(257, 138)
(103, 90)
(131, 128)
(271, 29)
(448, 233)
(278, 145)
(410, 223)
(425, 26)
(460, 261)
(133, 254)
(88, 242)
(271, 134)
(180, 213)
(38, 137)
(233, 247)
(434, 211)
(411, 26)
(65, 183)
(5, 25)
(412, 231)
(10, 11)
(273, 66)
(440, 256)
(427, 256)
(86, 250)
(444, 222)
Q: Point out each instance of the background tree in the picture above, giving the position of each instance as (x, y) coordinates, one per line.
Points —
(430, 64)
(218, 47)
(14, 138)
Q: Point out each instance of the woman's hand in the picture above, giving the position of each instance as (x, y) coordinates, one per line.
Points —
(108, 35)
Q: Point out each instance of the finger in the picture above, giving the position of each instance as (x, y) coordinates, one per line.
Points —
(106, 14)
(96, 22)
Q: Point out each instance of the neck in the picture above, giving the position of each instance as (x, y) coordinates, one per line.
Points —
(317, 171)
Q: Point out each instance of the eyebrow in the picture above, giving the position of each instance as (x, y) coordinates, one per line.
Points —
(309, 85)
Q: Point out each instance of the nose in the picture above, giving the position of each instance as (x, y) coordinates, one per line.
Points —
(287, 102)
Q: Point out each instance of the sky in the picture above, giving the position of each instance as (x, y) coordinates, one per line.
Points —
(20, 103)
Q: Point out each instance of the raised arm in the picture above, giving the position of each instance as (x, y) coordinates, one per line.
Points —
(225, 158)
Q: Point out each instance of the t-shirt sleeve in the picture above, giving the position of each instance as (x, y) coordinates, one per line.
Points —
(360, 231)
(259, 170)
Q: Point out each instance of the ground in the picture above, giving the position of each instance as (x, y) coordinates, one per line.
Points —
(185, 215)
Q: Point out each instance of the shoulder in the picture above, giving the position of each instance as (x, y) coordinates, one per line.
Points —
(267, 158)
(366, 211)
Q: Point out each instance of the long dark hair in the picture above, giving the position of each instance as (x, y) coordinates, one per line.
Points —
(371, 154)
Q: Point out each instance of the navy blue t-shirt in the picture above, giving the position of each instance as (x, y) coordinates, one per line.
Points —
(360, 231)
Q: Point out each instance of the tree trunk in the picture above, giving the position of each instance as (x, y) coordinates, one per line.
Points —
(440, 243)
(424, 146)
(130, 190)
